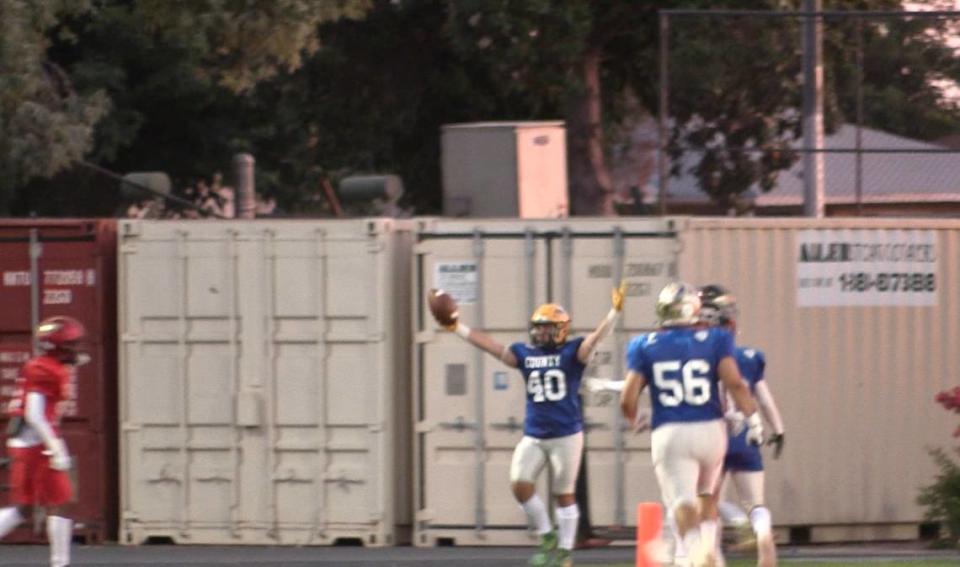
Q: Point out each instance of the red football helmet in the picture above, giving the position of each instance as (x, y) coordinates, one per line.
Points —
(60, 337)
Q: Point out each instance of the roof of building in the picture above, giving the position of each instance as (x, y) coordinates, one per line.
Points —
(893, 177)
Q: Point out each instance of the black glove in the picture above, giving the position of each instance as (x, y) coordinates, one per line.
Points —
(777, 441)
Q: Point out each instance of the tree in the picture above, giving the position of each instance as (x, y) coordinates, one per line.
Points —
(735, 83)
(736, 88)
(45, 123)
(245, 42)
(176, 75)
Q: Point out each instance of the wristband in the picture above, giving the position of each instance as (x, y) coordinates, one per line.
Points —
(753, 419)
(462, 330)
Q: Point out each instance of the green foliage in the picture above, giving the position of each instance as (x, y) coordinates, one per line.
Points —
(942, 498)
(322, 89)
(244, 42)
(176, 76)
(45, 123)
(372, 100)
(736, 88)
(528, 50)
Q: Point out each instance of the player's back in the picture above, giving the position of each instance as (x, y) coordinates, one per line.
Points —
(680, 366)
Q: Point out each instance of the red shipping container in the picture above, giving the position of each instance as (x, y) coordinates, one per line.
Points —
(76, 275)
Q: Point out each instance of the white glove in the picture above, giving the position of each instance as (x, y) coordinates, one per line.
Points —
(59, 457)
(755, 429)
(736, 421)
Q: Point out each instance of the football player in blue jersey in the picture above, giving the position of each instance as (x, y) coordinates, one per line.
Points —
(743, 462)
(684, 364)
(552, 365)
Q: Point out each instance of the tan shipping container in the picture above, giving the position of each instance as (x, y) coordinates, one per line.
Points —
(263, 381)
(854, 361)
(854, 364)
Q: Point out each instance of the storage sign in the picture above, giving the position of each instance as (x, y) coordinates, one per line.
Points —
(459, 279)
(866, 267)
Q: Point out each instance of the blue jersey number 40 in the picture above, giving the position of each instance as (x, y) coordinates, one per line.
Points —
(551, 386)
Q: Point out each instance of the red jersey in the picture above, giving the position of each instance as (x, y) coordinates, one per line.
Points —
(47, 376)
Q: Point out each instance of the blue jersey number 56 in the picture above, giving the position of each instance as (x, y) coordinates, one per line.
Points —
(677, 384)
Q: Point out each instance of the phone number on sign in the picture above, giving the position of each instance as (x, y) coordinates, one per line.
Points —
(887, 281)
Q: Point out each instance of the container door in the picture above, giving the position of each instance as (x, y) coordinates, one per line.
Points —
(471, 407)
(258, 384)
(474, 405)
(619, 470)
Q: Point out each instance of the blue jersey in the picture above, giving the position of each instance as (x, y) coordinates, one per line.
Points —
(751, 363)
(552, 377)
(680, 366)
(741, 455)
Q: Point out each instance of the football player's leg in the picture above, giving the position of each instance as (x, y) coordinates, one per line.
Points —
(55, 492)
(23, 476)
(59, 533)
(527, 463)
(710, 448)
(565, 455)
(679, 553)
(739, 458)
(750, 488)
(677, 476)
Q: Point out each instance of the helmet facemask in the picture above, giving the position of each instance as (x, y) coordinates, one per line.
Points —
(549, 326)
(548, 335)
(719, 307)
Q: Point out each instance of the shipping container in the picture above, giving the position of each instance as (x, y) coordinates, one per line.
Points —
(469, 407)
(856, 317)
(858, 321)
(67, 267)
(263, 381)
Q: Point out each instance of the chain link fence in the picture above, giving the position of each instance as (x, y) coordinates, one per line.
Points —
(732, 114)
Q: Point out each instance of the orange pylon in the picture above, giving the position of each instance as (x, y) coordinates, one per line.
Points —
(649, 524)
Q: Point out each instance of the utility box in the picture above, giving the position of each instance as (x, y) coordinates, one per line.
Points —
(505, 169)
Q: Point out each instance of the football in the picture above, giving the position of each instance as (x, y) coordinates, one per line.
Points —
(443, 307)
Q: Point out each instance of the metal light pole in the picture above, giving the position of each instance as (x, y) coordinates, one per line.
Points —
(813, 194)
(663, 169)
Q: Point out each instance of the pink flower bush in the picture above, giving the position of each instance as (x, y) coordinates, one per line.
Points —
(950, 400)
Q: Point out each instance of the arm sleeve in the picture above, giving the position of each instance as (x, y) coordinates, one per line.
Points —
(635, 355)
(35, 414)
(516, 349)
(768, 406)
(725, 346)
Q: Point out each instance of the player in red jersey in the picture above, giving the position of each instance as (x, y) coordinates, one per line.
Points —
(39, 458)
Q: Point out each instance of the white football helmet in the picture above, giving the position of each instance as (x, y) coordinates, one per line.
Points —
(678, 305)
